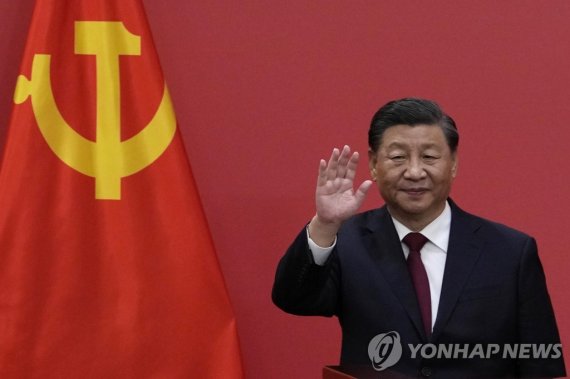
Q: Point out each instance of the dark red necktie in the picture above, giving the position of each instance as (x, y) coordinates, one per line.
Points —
(415, 242)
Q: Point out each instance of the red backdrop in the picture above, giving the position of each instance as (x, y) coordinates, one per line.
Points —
(262, 91)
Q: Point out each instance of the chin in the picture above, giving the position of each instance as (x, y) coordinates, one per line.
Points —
(415, 205)
(408, 209)
(415, 211)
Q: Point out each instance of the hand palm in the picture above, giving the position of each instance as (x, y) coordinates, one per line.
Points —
(336, 199)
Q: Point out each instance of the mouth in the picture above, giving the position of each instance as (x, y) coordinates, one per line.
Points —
(414, 192)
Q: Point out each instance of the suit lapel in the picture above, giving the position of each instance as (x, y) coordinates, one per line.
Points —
(386, 249)
(462, 254)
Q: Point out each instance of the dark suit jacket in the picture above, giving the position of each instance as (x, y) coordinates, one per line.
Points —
(493, 291)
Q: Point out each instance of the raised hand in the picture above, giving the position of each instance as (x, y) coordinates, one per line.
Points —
(336, 199)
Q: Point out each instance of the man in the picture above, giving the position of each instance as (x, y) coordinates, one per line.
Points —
(419, 266)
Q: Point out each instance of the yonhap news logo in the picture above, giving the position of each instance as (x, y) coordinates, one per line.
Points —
(385, 350)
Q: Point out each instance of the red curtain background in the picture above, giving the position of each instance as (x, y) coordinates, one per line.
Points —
(262, 91)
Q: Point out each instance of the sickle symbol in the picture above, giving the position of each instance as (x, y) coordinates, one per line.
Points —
(108, 159)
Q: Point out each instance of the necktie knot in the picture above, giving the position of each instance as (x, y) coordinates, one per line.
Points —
(415, 241)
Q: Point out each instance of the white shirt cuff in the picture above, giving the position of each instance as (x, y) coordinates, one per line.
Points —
(320, 254)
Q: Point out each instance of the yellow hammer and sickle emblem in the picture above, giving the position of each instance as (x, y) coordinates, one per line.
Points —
(108, 159)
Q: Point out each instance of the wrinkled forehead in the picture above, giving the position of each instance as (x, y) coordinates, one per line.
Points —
(405, 136)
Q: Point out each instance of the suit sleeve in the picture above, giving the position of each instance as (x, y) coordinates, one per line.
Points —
(536, 321)
(301, 286)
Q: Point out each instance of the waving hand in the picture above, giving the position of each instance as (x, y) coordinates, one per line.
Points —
(336, 198)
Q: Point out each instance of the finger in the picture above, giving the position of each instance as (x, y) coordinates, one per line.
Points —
(352, 165)
(322, 178)
(343, 161)
(332, 164)
(361, 192)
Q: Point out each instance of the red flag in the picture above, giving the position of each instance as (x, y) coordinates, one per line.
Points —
(107, 268)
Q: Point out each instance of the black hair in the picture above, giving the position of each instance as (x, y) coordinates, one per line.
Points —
(411, 111)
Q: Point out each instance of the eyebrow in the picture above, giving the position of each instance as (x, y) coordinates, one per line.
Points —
(404, 145)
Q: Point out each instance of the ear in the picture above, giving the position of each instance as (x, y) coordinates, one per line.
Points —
(455, 163)
(372, 160)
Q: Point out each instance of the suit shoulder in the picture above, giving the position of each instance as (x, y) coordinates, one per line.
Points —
(366, 219)
(496, 230)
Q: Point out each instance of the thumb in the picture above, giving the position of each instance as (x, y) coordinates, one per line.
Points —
(362, 191)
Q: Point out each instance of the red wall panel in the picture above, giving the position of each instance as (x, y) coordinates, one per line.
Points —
(262, 90)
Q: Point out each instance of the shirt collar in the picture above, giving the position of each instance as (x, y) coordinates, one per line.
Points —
(437, 231)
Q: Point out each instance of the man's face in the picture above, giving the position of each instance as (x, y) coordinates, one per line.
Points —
(414, 168)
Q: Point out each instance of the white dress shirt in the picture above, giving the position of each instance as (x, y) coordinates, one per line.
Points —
(433, 253)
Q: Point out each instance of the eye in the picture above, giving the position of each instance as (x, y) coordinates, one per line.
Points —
(430, 157)
(397, 158)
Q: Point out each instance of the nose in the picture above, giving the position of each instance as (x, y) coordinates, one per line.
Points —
(415, 170)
